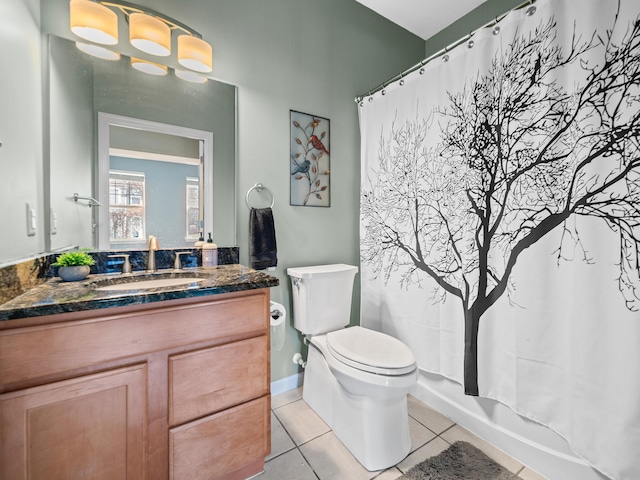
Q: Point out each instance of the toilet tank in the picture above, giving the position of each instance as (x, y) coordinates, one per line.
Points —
(321, 297)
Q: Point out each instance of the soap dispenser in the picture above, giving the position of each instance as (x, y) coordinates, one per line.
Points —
(200, 241)
(209, 253)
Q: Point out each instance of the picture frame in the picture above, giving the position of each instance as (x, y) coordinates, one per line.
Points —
(309, 161)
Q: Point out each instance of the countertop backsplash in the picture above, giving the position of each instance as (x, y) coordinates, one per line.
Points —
(164, 259)
(19, 278)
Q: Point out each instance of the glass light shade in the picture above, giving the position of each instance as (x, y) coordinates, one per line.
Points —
(194, 53)
(97, 51)
(149, 34)
(148, 67)
(93, 21)
(192, 77)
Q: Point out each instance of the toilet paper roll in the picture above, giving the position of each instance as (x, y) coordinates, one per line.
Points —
(278, 317)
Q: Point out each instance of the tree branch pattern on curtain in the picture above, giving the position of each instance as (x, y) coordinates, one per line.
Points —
(500, 220)
(519, 157)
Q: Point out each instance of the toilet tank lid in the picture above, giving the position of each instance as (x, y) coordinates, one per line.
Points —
(372, 348)
(306, 272)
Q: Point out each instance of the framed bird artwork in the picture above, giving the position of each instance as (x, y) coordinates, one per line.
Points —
(309, 164)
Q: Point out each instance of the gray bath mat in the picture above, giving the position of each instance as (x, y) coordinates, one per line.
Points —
(460, 461)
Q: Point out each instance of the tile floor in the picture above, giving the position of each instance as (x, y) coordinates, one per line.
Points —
(304, 448)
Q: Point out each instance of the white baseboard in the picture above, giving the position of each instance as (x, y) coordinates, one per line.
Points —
(287, 383)
(532, 444)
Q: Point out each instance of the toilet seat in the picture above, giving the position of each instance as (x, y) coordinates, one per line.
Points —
(371, 351)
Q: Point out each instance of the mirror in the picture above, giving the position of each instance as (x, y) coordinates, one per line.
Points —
(152, 177)
(86, 92)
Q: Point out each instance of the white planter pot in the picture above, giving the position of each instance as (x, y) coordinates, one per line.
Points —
(73, 274)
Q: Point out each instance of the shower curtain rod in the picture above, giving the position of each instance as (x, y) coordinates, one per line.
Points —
(530, 11)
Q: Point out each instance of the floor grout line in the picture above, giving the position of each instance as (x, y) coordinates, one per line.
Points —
(308, 463)
(394, 468)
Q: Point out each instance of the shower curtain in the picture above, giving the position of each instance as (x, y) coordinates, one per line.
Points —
(500, 220)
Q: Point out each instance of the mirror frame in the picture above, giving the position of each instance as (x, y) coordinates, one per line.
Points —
(106, 120)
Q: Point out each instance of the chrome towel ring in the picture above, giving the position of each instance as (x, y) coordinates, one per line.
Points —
(259, 187)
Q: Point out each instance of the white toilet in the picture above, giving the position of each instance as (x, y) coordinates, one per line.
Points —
(355, 379)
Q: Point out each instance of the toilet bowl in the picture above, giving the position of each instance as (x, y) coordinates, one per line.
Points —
(355, 379)
(367, 411)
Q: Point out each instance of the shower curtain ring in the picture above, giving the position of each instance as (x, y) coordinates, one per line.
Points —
(531, 9)
(496, 27)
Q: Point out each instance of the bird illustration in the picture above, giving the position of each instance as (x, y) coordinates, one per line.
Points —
(536, 69)
(317, 144)
(302, 168)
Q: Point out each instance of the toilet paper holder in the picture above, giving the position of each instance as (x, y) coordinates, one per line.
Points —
(278, 315)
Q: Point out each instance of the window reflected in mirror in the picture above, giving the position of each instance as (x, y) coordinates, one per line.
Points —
(126, 206)
(194, 220)
(154, 188)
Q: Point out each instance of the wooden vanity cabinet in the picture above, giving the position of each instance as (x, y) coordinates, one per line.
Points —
(170, 390)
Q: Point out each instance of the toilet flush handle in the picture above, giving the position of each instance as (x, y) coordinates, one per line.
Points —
(296, 281)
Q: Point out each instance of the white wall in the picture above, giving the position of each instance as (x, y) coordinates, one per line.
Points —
(21, 173)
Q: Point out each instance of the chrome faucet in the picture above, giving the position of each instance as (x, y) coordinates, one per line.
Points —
(152, 245)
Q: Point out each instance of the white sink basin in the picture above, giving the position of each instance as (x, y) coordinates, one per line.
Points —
(157, 283)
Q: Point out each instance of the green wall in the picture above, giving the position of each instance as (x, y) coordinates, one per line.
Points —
(304, 55)
(313, 57)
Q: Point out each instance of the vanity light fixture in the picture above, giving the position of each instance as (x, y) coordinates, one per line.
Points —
(190, 76)
(98, 51)
(146, 66)
(149, 31)
(94, 22)
(149, 34)
(194, 53)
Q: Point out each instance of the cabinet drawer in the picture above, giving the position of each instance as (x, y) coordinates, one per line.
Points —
(32, 352)
(210, 380)
(228, 445)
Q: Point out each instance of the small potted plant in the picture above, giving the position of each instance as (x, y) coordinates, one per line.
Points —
(74, 266)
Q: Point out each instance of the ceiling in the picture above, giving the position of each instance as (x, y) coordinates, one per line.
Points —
(423, 18)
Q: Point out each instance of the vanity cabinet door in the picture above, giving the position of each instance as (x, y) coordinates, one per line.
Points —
(229, 445)
(86, 427)
(209, 380)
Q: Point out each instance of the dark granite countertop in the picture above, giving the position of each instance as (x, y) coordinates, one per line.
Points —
(56, 296)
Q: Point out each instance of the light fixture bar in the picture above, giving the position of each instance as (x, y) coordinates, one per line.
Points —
(129, 8)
